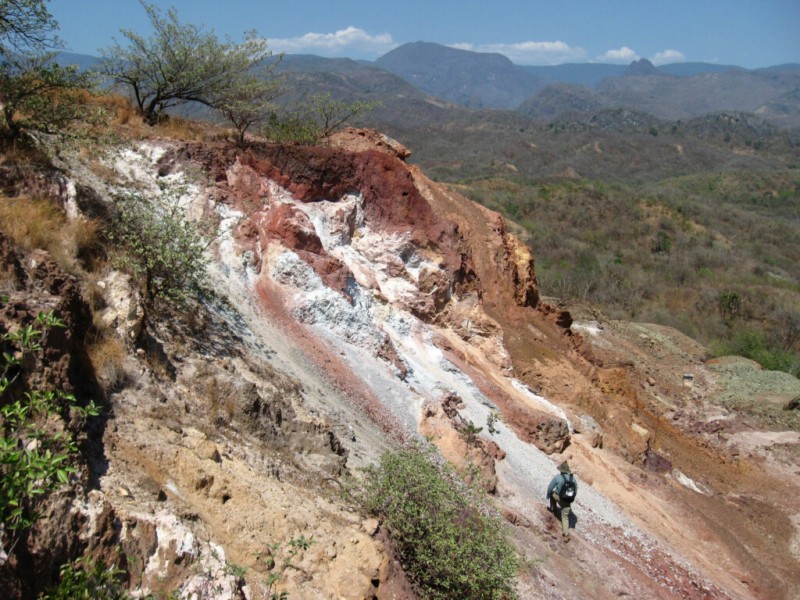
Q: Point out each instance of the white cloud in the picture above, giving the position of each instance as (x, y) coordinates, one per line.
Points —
(351, 41)
(531, 53)
(620, 55)
(668, 56)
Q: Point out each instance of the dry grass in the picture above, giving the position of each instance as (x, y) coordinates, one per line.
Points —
(107, 354)
(36, 223)
(187, 130)
(120, 108)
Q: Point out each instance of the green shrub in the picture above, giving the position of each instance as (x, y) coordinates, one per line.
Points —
(292, 128)
(451, 543)
(34, 453)
(756, 346)
(662, 243)
(86, 579)
(314, 120)
(160, 244)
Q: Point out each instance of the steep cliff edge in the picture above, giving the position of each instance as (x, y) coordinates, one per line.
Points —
(354, 305)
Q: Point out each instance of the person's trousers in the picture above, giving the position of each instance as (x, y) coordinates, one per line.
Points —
(565, 511)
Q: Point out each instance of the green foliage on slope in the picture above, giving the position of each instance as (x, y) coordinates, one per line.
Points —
(716, 255)
(450, 543)
(160, 244)
(35, 449)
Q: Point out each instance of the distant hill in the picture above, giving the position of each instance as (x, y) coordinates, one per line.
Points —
(84, 61)
(587, 74)
(561, 98)
(690, 69)
(342, 78)
(773, 94)
(686, 97)
(472, 79)
(676, 91)
(590, 74)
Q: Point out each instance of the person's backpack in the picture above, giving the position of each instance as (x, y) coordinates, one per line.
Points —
(568, 489)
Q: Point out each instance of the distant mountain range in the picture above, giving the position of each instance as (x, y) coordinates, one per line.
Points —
(419, 80)
(676, 91)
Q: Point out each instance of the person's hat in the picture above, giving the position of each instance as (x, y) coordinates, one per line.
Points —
(564, 467)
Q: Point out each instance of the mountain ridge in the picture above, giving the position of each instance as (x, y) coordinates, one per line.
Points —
(492, 81)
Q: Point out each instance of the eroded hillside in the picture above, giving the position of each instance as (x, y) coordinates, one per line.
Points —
(354, 305)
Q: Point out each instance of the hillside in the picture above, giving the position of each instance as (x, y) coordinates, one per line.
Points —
(765, 93)
(353, 305)
(304, 360)
(682, 190)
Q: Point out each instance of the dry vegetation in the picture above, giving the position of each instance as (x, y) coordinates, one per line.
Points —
(714, 255)
(37, 223)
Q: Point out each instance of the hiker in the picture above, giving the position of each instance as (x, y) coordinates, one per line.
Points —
(561, 492)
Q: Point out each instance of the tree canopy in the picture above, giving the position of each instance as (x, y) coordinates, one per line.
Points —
(39, 95)
(26, 25)
(36, 93)
(182, 63)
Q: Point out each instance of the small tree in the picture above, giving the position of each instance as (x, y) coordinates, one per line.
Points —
(179, 63)
(317, 118)
(247, 102)
(39, 95)
(331, 114)
(161, 244)
(786, 327)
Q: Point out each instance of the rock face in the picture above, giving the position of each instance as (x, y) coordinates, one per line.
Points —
(357, 305)
(381, 234)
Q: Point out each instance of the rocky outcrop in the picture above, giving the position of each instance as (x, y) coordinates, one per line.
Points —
(449, 262)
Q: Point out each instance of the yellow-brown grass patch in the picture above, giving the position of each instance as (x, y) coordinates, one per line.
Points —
(37, 223)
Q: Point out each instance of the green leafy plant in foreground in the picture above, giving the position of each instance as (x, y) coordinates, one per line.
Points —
(35, 450)
(87, 579)
(278, 560)
(451, 543)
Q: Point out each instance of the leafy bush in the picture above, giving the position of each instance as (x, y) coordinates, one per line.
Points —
(756, 346)
(291, 128)
(87, 579)
(314, 120)
(34, 454)
(160, 244)
(451, 543)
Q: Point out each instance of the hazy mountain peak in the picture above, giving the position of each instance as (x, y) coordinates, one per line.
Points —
(473, 79)
(427, 51)
(640, 68)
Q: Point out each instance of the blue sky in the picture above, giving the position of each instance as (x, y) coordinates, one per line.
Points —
(748, 33)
